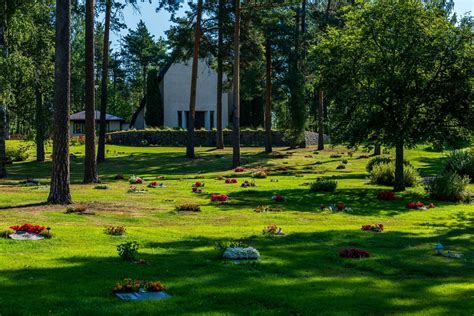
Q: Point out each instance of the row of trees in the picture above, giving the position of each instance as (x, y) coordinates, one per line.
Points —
(372, 72)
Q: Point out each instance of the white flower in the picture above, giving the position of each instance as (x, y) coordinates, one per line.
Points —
(241, 253)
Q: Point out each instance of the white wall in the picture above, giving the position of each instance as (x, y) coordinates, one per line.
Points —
(177, 91)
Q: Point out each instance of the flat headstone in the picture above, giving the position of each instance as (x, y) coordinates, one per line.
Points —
(143, 296)
(19, 235)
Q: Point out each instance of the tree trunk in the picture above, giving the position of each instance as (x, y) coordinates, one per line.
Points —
(268, 97)
(39, 118)
(145, 72)
(3, 135)
(377, 150)
(192, 100)
(105, 77)
(321, 120)
(220, 72)
(399, 175)
(236, 112)
(90, 163)
(60, 177)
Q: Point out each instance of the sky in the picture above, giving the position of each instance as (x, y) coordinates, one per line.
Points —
(158, 23)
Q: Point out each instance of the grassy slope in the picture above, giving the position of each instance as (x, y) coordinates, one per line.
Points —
(74, 272)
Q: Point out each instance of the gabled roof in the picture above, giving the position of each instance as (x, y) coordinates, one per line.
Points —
(81, 116)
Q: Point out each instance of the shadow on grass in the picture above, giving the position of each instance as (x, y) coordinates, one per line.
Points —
(298, 274)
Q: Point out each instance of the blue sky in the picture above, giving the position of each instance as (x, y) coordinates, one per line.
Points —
(158, 23)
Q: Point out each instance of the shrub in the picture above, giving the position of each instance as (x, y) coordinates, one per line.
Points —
(323, 186)
(384, 174)
(449, 186)
(188, 207)
(115, 230)
(381, 160)
(461, 162)
(345, 161)
(19, 153)
(339, 167)
(6, 233)
(101, 187)
(128, 251)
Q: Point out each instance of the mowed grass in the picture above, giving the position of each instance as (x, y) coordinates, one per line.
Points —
(302, 273)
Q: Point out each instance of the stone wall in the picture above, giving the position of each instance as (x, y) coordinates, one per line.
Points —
(203, 138)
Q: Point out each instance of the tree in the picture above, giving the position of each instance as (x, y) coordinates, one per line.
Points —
(104, 83)
(220, 74)
(60, 178)
(3, 149)
(154, 104)
(192, 100)
(397, 73)
(236, 88)
(90, 162)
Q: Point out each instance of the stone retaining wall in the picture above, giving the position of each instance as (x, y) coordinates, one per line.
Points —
(203, 138)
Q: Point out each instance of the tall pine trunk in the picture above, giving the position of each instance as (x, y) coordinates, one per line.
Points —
(220, 72)
(3, 136)
(39, 118)
(321, 120)
(105, 77)
(399, 174)
(377, 150)
(60, 177)
(90, 163)
(268, 97)
(192, 100)
(236, 111)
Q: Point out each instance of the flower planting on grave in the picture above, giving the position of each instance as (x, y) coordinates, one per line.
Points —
(231, 181)
(273, 230)
(354, 253)
(386, 196)
(115, 230)
(248, 184)
(135, 180)
(133, 286)
(188, 207)
(378, 228)
(279, 198)
(419, 206)
(219, 198)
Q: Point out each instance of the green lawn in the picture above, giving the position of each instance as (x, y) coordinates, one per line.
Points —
(302, 273)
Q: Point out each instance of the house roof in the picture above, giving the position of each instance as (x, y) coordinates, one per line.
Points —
(81, 116)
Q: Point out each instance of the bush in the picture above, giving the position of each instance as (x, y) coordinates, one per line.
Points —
(261, 174)
(381, 160)
(461, 162)
(384, 174)
(20, 153)
(449, 186)
(323, 186)
(128, 251)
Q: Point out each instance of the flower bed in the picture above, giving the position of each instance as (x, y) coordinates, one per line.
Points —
(354, 253)
(273, 230)
(279, 198)
(248, 184)
(338, 207)
(155, 185)
(231, 181)
(131, 286)
(378, 228)
(419, 206)
(198, 184)
(240, 169)
(134, 189)
(261, 174)
(386, 195)
(219, 198)
(266, 209)
(135, 180)
(29, 228)
(119, 177)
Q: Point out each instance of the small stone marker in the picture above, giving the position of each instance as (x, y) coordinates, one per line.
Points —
(143, 296)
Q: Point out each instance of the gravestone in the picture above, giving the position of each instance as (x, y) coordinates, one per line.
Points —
(3, 136)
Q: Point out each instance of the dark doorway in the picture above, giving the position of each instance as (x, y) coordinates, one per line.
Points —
(200, 119)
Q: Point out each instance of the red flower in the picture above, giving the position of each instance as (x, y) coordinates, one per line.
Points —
(231, 181)
(239, 169)
(29, 228)
(219, 197)
(354, 253)
(386, 195)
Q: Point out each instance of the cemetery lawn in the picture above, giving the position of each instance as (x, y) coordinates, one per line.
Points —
(74, 272)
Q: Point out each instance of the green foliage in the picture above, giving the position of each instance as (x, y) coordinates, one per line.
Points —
(20, 153)
(384, 174)
(115, 230)
(128, 251)
(154, 114)
(449, 186)
(383, 159)
(323, 185)
(461, 162)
